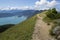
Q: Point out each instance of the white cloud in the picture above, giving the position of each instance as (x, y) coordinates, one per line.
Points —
(52, 3)
(21, 8)
(45, 4)
(39, 5)
(41, 2)
(26, 7)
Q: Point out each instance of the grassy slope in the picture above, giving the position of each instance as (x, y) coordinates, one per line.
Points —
(22, 31)
(45, 18)
(55, 22)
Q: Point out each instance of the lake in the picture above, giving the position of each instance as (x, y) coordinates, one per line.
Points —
(12, 20)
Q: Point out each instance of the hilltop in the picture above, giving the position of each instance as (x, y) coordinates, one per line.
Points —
(37, 27)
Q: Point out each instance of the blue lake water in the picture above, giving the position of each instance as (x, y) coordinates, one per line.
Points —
(12, 20)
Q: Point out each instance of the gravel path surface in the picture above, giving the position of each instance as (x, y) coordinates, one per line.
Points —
(41, 30)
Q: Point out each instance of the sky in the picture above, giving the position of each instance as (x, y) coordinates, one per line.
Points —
(29, 4)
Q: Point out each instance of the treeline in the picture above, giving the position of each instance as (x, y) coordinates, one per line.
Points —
(5, 27)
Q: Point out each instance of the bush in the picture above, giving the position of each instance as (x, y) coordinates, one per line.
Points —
(51, 32)
(51, 16)
(5, 27)
(58, 16)
(52, 13)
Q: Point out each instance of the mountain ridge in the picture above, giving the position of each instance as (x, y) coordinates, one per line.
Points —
(9, 13)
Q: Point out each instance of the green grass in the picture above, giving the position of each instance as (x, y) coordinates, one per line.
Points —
(47, 20)
(43, 14)
(22, 31)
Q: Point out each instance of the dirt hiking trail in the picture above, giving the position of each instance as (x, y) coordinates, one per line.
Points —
(41, 30)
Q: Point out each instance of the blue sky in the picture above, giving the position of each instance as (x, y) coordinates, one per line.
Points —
(29, 3)
(5, 3)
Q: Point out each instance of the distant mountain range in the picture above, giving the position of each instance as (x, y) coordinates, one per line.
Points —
(19, 13)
